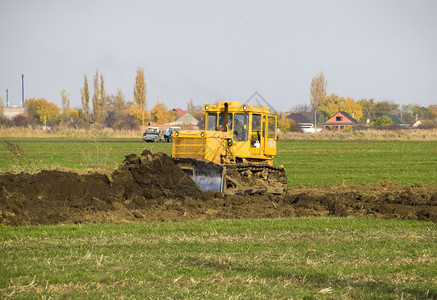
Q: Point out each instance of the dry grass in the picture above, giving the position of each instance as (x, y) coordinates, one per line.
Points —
(371, 135)
(374, 135)
(30, 132)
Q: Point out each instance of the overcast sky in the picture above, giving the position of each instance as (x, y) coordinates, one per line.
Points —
(221, 50)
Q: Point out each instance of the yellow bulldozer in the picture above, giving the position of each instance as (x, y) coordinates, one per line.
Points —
(234, 154)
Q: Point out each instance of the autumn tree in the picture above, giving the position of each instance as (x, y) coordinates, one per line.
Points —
(20, 120)
(417, 112)
(140, 91)
(381, 121)
(433, 109)
(119, 101)
(317, 93)
(369, 110)
(286, 125)
(117, 116)
(160, 114)
(104, 100)
(3, 120)
(42, 111)
(2, 112)
(333, 103)
(192, 108)
(65, 97)
(99, 98)
(85, 95)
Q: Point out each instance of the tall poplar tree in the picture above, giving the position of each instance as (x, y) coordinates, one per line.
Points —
(1, 107)
(317, 93)
(97, 107)
(120, 102)
(65, 97)
(104, 101)
(85, 95)
(140, 91)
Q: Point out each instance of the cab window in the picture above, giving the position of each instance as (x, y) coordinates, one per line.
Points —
(271, 133)
(256, 130)
(212, 121)
(222, 120)
(240, 127)
(256, 122)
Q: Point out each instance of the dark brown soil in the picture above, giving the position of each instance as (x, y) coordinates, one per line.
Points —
(152, 188)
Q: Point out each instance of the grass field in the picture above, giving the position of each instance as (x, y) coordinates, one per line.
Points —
(78, 154)
(305, 162)
(358, 162)
(311, 258)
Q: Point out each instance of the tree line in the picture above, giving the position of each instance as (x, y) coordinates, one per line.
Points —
(365, 111)
(99, 110)
(112, 110)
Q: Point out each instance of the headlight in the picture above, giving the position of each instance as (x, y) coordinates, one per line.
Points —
(202, 134)
(176, 133)
(206, 107)
(244, 107)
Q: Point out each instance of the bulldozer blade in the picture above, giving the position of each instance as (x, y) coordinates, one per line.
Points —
(208, 176)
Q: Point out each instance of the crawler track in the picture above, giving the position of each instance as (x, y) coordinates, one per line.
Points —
(255, 179)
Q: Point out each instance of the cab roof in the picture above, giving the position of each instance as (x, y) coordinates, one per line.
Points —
(235, 107)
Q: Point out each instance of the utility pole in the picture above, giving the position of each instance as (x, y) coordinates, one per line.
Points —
(22, 90)
(7, 98)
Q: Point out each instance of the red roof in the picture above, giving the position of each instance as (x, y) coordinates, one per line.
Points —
(180, 112)
(341, 118)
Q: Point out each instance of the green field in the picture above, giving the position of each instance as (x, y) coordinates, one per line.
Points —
(75, 154)
(358, 162)
(311, 258)
(305, 162)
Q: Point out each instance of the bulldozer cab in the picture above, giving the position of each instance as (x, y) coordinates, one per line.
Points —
(253, 130)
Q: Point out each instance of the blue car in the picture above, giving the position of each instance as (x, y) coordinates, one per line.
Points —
(153, 135)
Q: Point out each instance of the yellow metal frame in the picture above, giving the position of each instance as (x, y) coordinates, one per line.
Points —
(221, 147)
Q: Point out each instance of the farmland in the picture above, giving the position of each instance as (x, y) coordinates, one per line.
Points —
(306, 163)
(221, 246)
(318, 258)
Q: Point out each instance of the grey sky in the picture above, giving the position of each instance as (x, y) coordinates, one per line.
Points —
(215, 50)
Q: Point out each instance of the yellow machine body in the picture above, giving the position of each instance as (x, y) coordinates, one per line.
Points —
(248, 137)
(239, 141)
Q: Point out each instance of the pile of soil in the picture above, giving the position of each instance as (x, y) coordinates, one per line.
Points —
(152, 188)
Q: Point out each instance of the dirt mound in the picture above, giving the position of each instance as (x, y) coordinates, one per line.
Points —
(152, 188)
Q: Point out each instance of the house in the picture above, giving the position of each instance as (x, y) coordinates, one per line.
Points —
(396, 121)
(302, 123)
(10, 112)
(179, 112)
(151, 124)
(339, 122)
(187, 121)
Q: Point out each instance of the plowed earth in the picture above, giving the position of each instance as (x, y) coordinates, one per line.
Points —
(152, 188)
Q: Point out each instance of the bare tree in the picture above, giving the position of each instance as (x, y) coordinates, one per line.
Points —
(317, 93)
(120, 102)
